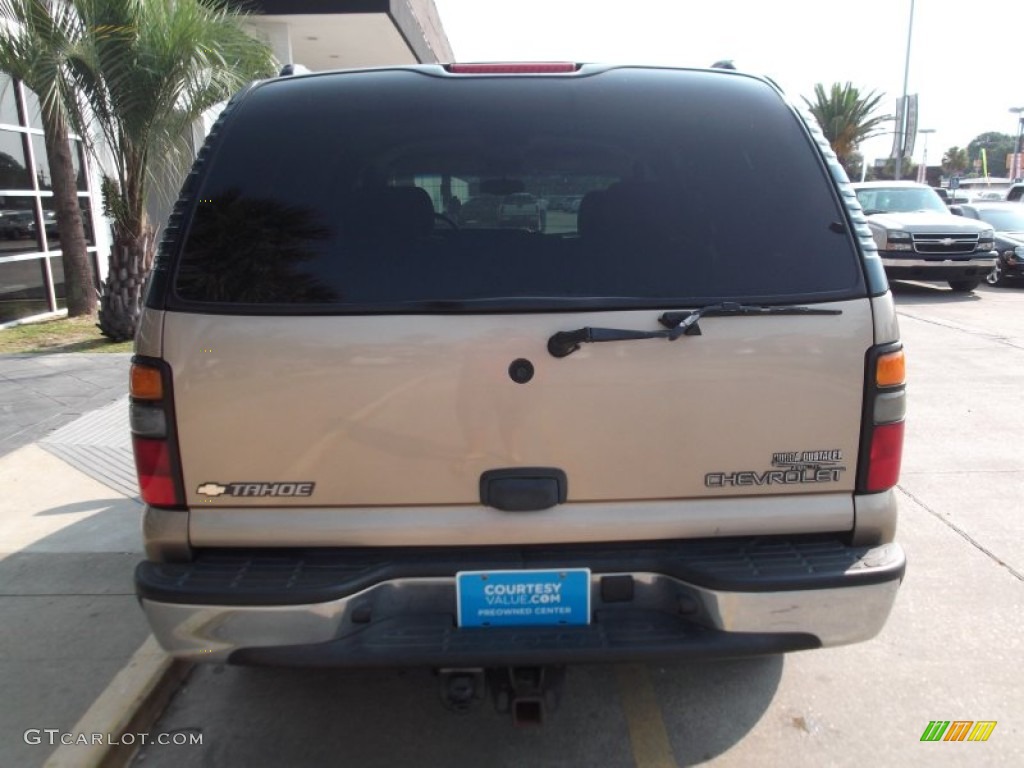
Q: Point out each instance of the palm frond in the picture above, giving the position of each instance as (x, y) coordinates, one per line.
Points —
(150, 69)
(846, 117)
(38, 38)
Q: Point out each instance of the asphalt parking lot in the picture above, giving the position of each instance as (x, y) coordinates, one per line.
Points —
(951, 650)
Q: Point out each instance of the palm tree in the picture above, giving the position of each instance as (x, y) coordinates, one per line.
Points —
(846, 117)
(148, 70)
(955, 161)
(38, 38)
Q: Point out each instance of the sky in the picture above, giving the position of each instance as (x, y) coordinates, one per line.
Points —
(965, 57)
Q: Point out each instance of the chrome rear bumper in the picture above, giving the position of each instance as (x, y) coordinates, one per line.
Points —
(411, 621)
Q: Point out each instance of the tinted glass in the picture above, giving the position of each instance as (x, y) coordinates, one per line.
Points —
(22, 289)
(77, 158)
(1004, 220)
(87, 223)
(17, 225)
(43, 177)
(59, 289)
(35, 118)
(43, 163)
(8, 101)
(50, 223)
(401, 191)
(13, 165)
(50, 215)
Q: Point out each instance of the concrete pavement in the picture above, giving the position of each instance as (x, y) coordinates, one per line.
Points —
(69, 541)
(39, 393)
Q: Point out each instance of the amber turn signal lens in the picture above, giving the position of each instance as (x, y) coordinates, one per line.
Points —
(891, 370)
(146, 383)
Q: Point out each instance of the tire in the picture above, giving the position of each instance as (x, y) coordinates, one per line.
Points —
(964, 286)
(996, 276)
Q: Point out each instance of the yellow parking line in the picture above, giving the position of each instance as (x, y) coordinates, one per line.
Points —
(647, 734)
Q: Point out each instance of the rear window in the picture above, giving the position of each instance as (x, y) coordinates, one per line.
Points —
(405, 191)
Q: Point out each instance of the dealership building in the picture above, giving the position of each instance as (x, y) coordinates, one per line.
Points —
(318, 34)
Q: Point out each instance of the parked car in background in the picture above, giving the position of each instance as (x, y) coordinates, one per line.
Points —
(49, 223)
(919, 238)
(952, 196)
(1007, 219)
(16, 224)
(566, 203)
(1015, 194)
(480, 212)
(990, 188)
(521, 210)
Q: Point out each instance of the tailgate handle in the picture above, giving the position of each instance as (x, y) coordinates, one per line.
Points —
(523, 489)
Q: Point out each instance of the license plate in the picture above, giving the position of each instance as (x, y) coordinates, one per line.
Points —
(523, 598)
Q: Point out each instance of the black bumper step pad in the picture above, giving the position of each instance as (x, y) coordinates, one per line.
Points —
(303, 576)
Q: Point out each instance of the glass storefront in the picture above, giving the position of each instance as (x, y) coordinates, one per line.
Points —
(28, 223)
(18, 231)
(22, 289)
(57, 270)
(8, 101)
(14, 172)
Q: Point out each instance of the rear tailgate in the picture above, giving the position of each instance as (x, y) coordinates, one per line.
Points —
(399, 411)
(346, 356)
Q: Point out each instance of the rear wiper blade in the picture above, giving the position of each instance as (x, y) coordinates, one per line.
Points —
(689, 318)
(564, 343)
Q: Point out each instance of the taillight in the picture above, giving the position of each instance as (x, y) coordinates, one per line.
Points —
(513, 68)
(885, 407)
(153, 464)
(153, 440)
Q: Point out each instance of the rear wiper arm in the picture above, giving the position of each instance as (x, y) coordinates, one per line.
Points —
(564, 343)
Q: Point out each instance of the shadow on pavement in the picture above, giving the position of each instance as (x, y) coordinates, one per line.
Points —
(394, 718)
(85, 506)
(908, 293)
(71, 620)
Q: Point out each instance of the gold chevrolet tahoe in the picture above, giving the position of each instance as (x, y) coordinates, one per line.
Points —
(663, 424)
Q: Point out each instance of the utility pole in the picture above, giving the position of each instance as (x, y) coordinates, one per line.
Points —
(901, 119)
(922, 172)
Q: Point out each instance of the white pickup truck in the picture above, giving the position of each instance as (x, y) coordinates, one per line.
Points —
(919, 239)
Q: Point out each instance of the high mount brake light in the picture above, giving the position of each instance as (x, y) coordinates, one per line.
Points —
(525, 68)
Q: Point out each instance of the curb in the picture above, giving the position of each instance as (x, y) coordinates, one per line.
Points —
(130, 704)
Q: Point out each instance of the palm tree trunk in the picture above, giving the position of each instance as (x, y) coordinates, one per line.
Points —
(79, 282)
(131, 258)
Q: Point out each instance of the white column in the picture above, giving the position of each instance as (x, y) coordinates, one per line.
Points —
(277, 34)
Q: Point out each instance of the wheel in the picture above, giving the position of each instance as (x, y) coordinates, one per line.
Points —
(996, 276)
(964, 286)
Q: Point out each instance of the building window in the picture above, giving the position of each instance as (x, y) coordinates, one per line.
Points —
(28, 229)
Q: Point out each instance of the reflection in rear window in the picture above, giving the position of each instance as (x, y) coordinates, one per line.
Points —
(402, 191)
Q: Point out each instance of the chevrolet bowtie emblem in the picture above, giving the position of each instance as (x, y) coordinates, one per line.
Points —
(947, 241)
